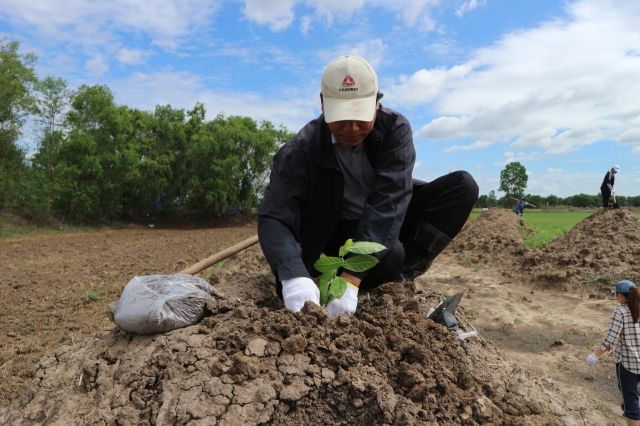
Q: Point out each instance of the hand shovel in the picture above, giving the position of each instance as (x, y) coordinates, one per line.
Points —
(615, 204)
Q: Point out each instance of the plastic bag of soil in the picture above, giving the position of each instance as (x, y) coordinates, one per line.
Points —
(159, 303)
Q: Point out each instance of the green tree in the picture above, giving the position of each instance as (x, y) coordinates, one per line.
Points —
(492, 200)
(228, 158)
(93, 159)
(52, 100)
(171, 135)
(513, 180)
(17, 78)
(552, 200)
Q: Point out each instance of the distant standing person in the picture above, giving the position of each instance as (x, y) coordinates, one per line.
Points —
(624, 338)
(520, 206)
(606, 189)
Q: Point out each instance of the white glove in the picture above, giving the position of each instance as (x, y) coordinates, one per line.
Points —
(296, 291)
(592, 359)
(613, 192)
(347, 304)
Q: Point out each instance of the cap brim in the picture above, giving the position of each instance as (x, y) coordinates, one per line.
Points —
(361, 109)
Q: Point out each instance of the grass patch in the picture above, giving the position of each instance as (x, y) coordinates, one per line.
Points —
(27, 230)
(92, 296)
(12, 225)
(550, 225)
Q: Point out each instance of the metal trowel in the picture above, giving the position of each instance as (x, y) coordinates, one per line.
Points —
(445, 312)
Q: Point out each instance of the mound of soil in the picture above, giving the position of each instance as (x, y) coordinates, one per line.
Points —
(495, 237)
(602, 249)
(251, 362)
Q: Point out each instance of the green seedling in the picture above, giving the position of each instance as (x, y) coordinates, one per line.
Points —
(333, 286)
(92, 296)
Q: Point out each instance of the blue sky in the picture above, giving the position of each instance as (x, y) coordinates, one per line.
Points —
(552, 84)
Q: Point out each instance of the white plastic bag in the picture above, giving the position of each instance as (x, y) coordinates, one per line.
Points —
(159, 303)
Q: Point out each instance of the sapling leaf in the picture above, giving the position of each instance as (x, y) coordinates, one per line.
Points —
(337, 288)
(332, 286)
(365, 247)
(328, 264)
(324, 287)
(345, 247)
(360, 262)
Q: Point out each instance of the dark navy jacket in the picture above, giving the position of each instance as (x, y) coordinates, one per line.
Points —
(610, 179)
(303, 202)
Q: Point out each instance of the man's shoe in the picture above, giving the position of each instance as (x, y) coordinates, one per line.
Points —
(414, 267)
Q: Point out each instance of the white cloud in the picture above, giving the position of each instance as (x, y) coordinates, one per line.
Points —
(277, 14)
(305, 24)
(467, 6)
(329, 9)
(424, 85)
(372, 50)
(183, 89)
(97, 66)
(556, 87)
(132, 56)
(413, 13)
(474, 146)
(631, 136)
(87, 22)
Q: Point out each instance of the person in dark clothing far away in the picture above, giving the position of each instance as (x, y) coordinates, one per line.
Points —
(520, 206)
(606, 188)
(348, 174)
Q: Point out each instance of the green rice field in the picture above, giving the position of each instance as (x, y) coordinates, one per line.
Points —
(547, 224)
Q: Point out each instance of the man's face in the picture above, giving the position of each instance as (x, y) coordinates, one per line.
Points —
(351, 133)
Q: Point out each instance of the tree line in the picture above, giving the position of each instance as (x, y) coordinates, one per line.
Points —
(96, 161)
(553, 201)
(513, 182)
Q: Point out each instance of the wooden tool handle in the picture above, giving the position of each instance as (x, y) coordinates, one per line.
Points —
(213, 259)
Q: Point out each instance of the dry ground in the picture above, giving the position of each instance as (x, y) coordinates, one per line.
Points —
(44, 279)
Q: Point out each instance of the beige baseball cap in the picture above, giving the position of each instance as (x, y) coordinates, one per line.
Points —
(349, 90)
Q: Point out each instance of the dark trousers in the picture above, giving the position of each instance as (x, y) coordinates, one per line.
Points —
(444, 203)
(606, 194)
(628, 385)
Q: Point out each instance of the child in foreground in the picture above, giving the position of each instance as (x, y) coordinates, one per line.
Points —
(623, 337)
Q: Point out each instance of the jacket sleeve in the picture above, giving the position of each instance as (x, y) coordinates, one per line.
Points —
(391, 193)
(615, 328)
(279, 215)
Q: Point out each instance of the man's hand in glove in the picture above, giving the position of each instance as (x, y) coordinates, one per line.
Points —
(296, 291)
(348, 303)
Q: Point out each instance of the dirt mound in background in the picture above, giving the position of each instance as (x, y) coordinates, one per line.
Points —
(603, 248)
(248, 365)
(495, 237)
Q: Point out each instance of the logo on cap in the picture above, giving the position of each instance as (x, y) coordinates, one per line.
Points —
(348, 81)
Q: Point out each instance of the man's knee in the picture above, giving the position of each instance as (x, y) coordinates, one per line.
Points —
(468, 187)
